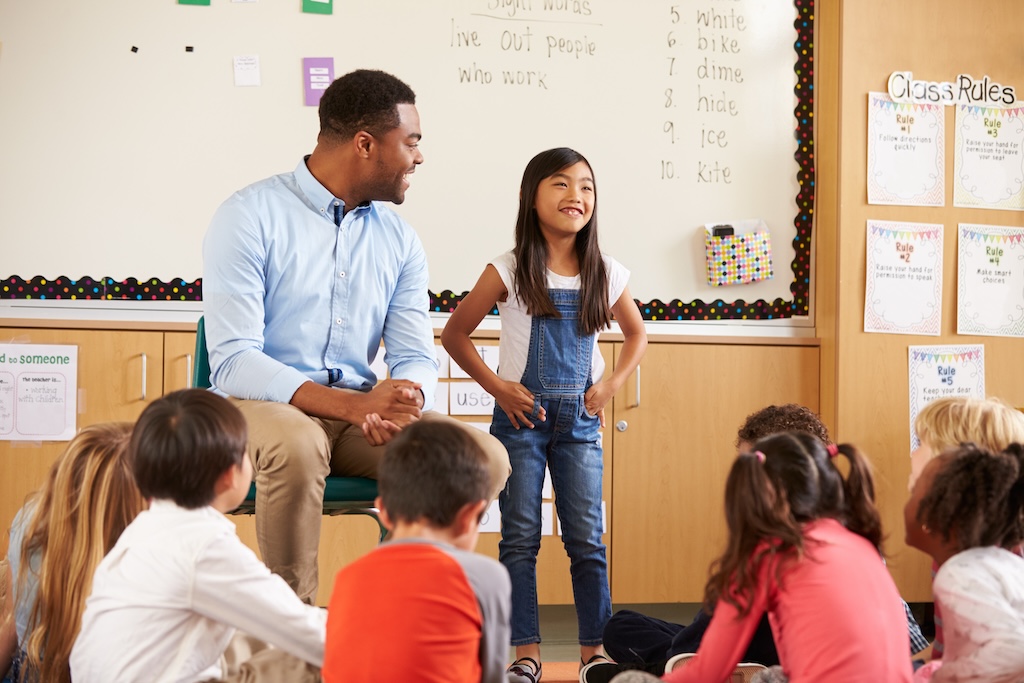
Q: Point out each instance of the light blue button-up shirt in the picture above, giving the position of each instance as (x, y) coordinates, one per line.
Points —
(290, 297)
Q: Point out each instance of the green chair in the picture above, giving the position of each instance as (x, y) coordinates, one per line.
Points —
(342, 495)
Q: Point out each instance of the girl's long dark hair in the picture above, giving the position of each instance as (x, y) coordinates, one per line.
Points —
(531, 250)
(768, 501)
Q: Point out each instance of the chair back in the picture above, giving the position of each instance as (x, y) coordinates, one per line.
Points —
(201, 366)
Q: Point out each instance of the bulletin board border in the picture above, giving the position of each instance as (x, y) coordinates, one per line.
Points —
(152, 289)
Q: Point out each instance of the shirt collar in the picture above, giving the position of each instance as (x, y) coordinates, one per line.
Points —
(318, 195)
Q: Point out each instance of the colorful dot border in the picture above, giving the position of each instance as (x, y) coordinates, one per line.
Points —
(153, 289)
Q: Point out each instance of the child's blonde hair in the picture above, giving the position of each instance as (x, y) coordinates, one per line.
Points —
(88, 499)
(991, 423)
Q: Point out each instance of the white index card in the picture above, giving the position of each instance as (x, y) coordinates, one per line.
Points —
(488, 353)
(469, 398)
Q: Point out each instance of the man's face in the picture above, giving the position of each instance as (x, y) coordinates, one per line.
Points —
(398, 155)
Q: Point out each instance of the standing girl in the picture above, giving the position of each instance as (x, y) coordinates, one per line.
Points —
(803, 547)
(555, 292)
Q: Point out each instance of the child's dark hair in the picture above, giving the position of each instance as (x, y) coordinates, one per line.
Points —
(786, 481)
(977, 497)
(183, 442)
(430, 471)
(531, 250)
(362, 100)
(774, 419)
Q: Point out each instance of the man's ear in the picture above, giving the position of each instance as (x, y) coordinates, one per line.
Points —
(385, 518)
(467, 519)
(364, 144)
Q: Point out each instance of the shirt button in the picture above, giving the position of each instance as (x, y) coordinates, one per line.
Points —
(338, 321)
(323, 210)
(341, 274)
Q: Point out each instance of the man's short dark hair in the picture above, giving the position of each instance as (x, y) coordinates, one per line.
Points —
(430, 471)
(183, 442)
(789, 417)
(362, 100)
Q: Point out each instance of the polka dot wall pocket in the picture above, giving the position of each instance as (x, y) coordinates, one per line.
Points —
(738, 252)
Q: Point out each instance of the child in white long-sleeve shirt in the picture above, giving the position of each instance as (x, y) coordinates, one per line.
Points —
(169, 597)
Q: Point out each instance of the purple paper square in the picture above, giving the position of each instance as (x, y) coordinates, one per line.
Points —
(318, 72)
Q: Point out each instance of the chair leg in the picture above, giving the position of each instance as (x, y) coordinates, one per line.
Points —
(369, 512)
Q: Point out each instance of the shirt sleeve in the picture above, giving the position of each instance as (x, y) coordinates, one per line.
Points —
(231, 586)
(234, 257)
(988, 633)
(493, 589)
(408, 333)
(618, 278)
(726, 639)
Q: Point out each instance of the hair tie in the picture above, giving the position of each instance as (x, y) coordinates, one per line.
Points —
(759, 455)
(833, 450)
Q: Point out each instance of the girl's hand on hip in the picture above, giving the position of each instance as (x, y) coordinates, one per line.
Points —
(597, 398)
(517, 403)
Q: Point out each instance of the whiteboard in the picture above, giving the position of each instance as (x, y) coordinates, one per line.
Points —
(114, 160)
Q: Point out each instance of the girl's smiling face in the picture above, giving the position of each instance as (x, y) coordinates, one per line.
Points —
(565, 201)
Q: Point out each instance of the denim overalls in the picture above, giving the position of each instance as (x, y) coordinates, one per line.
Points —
(557, 374)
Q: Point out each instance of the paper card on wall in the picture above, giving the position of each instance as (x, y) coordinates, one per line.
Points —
(317, 74)
(491, 523)
(443, 361)
(990, 281)
(38, 392)
(903, 292)
(441, 397)
(488, 353)
(545, 492)
(604, 525)
(378, 366)
(547, 519)
(469, 398)
(941, 371)
(318, 6)
(988, 157)
(906, 152)
(482, 426)
(245, 1)
(247, 70)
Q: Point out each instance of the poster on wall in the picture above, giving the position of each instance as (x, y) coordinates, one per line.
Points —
(903, 292)
(941, 371)
(38, 392)
(990, 281)
(988, 159)
(906, 152)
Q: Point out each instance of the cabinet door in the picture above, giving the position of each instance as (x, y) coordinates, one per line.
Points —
(119, 372)
(673, 451)
(179, 357)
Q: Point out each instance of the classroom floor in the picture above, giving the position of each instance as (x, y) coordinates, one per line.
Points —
(560, 651)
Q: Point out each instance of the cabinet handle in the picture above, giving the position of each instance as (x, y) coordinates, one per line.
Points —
(188, 369)
(144, 373)
(637, 404)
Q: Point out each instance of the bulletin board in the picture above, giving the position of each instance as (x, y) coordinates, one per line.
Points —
(122, 130)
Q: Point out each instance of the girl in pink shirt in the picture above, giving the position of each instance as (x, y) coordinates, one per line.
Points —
(803, 547)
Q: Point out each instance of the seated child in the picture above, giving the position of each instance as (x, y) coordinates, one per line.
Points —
(168, 598)
(423, 607)
(803, 548)
(966, 508)
(945, 423)
(637, 641)
(57, 539)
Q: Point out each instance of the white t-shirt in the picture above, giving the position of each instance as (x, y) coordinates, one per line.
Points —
(981, 592)
(516, 323)
(170, 594)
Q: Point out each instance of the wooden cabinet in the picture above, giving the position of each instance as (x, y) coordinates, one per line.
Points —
(673, 445)
(667, 449)
(179, 357)
(119, 373)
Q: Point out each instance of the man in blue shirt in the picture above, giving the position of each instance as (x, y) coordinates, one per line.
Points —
(304, 274)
